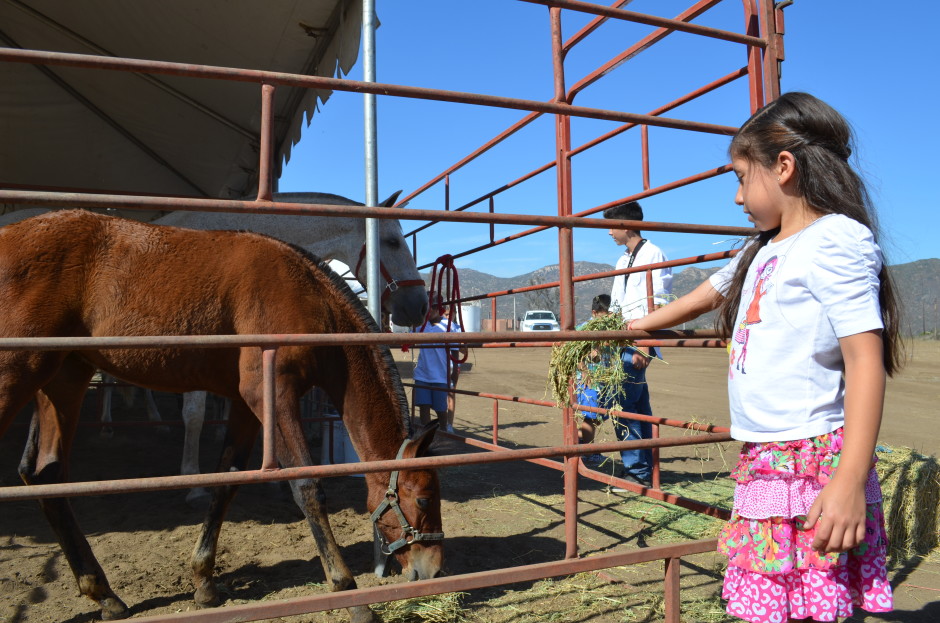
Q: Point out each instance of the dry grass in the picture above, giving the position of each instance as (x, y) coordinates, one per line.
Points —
(444, 608)
(601, 357)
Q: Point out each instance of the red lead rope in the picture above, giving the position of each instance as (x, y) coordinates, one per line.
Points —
(446, 283)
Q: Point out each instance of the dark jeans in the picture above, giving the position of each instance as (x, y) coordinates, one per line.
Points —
(635, 398)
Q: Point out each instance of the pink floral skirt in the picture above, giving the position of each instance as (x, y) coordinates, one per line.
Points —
(773, 573)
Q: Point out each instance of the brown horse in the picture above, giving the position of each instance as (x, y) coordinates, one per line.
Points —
(75, 273)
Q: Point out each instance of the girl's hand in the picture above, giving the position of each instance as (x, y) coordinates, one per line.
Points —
(839, 517)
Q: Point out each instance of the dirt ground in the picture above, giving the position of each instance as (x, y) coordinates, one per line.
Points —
(495, 516)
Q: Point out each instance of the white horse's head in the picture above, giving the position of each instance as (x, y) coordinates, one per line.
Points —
(343, 238)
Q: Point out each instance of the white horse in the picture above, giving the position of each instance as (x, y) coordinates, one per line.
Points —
(339, 238)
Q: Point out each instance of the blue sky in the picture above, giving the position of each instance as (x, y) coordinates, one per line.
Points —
(867, 61)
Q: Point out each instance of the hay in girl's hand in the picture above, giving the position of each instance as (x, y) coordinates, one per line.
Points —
(597, 361)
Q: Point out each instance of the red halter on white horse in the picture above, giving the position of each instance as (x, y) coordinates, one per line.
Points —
(391, 284)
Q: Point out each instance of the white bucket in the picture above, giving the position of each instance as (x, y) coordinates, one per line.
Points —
(343, 451)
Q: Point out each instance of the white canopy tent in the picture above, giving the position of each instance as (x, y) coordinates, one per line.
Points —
(93, 130)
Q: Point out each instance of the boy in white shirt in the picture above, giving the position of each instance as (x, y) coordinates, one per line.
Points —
(629, 294)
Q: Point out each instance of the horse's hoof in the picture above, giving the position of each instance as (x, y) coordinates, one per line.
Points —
(113, 609)
(207, 596)
(107, 432)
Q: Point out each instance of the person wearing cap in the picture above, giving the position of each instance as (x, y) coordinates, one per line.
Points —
(629, 294)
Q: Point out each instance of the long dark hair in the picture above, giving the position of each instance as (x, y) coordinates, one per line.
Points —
(820, 140)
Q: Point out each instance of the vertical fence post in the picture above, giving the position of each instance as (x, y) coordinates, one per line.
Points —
(373, 274)
(755, 75)
(447, 192)
(565, 272)
(495, 422)
(650, 306)
(671, 599)
(265, 149)
(269, 454)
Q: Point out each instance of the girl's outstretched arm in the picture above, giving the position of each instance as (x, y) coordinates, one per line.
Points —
(702, 299)
(839, 511)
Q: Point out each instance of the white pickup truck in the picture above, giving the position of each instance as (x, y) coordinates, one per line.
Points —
(539, 320)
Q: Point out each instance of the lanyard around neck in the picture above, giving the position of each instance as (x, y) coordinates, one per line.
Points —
(633, 255)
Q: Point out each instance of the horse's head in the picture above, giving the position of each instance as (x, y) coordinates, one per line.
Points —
(403, 294)
(343, 238)
(408, 513)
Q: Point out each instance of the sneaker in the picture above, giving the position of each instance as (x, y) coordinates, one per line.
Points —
(449, 429)
(643, 482)
(595, 461)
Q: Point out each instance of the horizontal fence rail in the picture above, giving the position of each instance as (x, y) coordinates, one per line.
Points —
(92, 200)
(87, 61)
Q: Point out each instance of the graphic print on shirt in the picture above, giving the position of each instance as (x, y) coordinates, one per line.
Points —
(762, 284)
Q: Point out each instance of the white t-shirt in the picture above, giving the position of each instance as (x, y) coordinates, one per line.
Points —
(631, 298)
(433, 363)
(800, 296)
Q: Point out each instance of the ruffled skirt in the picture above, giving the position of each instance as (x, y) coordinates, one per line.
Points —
(773, 573)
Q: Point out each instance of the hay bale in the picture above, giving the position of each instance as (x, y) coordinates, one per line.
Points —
(910, 484)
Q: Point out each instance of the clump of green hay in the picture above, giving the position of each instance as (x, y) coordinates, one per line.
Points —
(602, 357)
(443, 608)
(910, 484)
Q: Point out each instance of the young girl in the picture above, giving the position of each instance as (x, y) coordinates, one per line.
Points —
(808, 300)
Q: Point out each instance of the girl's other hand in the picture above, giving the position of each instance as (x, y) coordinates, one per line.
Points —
(838, 515)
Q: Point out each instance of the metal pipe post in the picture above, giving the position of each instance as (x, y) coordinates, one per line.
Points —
(373, 274)
(266, 152)
(269, 453)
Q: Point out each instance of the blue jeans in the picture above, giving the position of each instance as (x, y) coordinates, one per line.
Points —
(634, 397)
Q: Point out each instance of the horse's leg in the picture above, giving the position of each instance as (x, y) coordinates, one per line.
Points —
(45, 460)
(194, 414)
(292, 451)
(239, 440)
(153, 413)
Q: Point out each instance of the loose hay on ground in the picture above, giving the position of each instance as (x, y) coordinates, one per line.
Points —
(444, 608)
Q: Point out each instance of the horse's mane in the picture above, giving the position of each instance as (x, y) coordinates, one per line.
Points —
(381, 352)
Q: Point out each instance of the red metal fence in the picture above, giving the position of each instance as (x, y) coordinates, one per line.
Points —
(762, 39)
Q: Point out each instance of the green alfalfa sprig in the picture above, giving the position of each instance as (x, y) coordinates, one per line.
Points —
(598, 360)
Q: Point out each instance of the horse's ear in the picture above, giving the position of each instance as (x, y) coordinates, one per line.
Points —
(421, 444)
(391, 200)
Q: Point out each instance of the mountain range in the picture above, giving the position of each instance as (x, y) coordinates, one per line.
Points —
(917, 284)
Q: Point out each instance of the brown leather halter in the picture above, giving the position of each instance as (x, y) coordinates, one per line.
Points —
(409, 534)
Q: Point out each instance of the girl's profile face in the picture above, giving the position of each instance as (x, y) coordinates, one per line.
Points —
(757, 193)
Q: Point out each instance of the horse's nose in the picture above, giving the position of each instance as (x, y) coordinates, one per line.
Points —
(409, 306)
(415, 574)
(424, 563)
